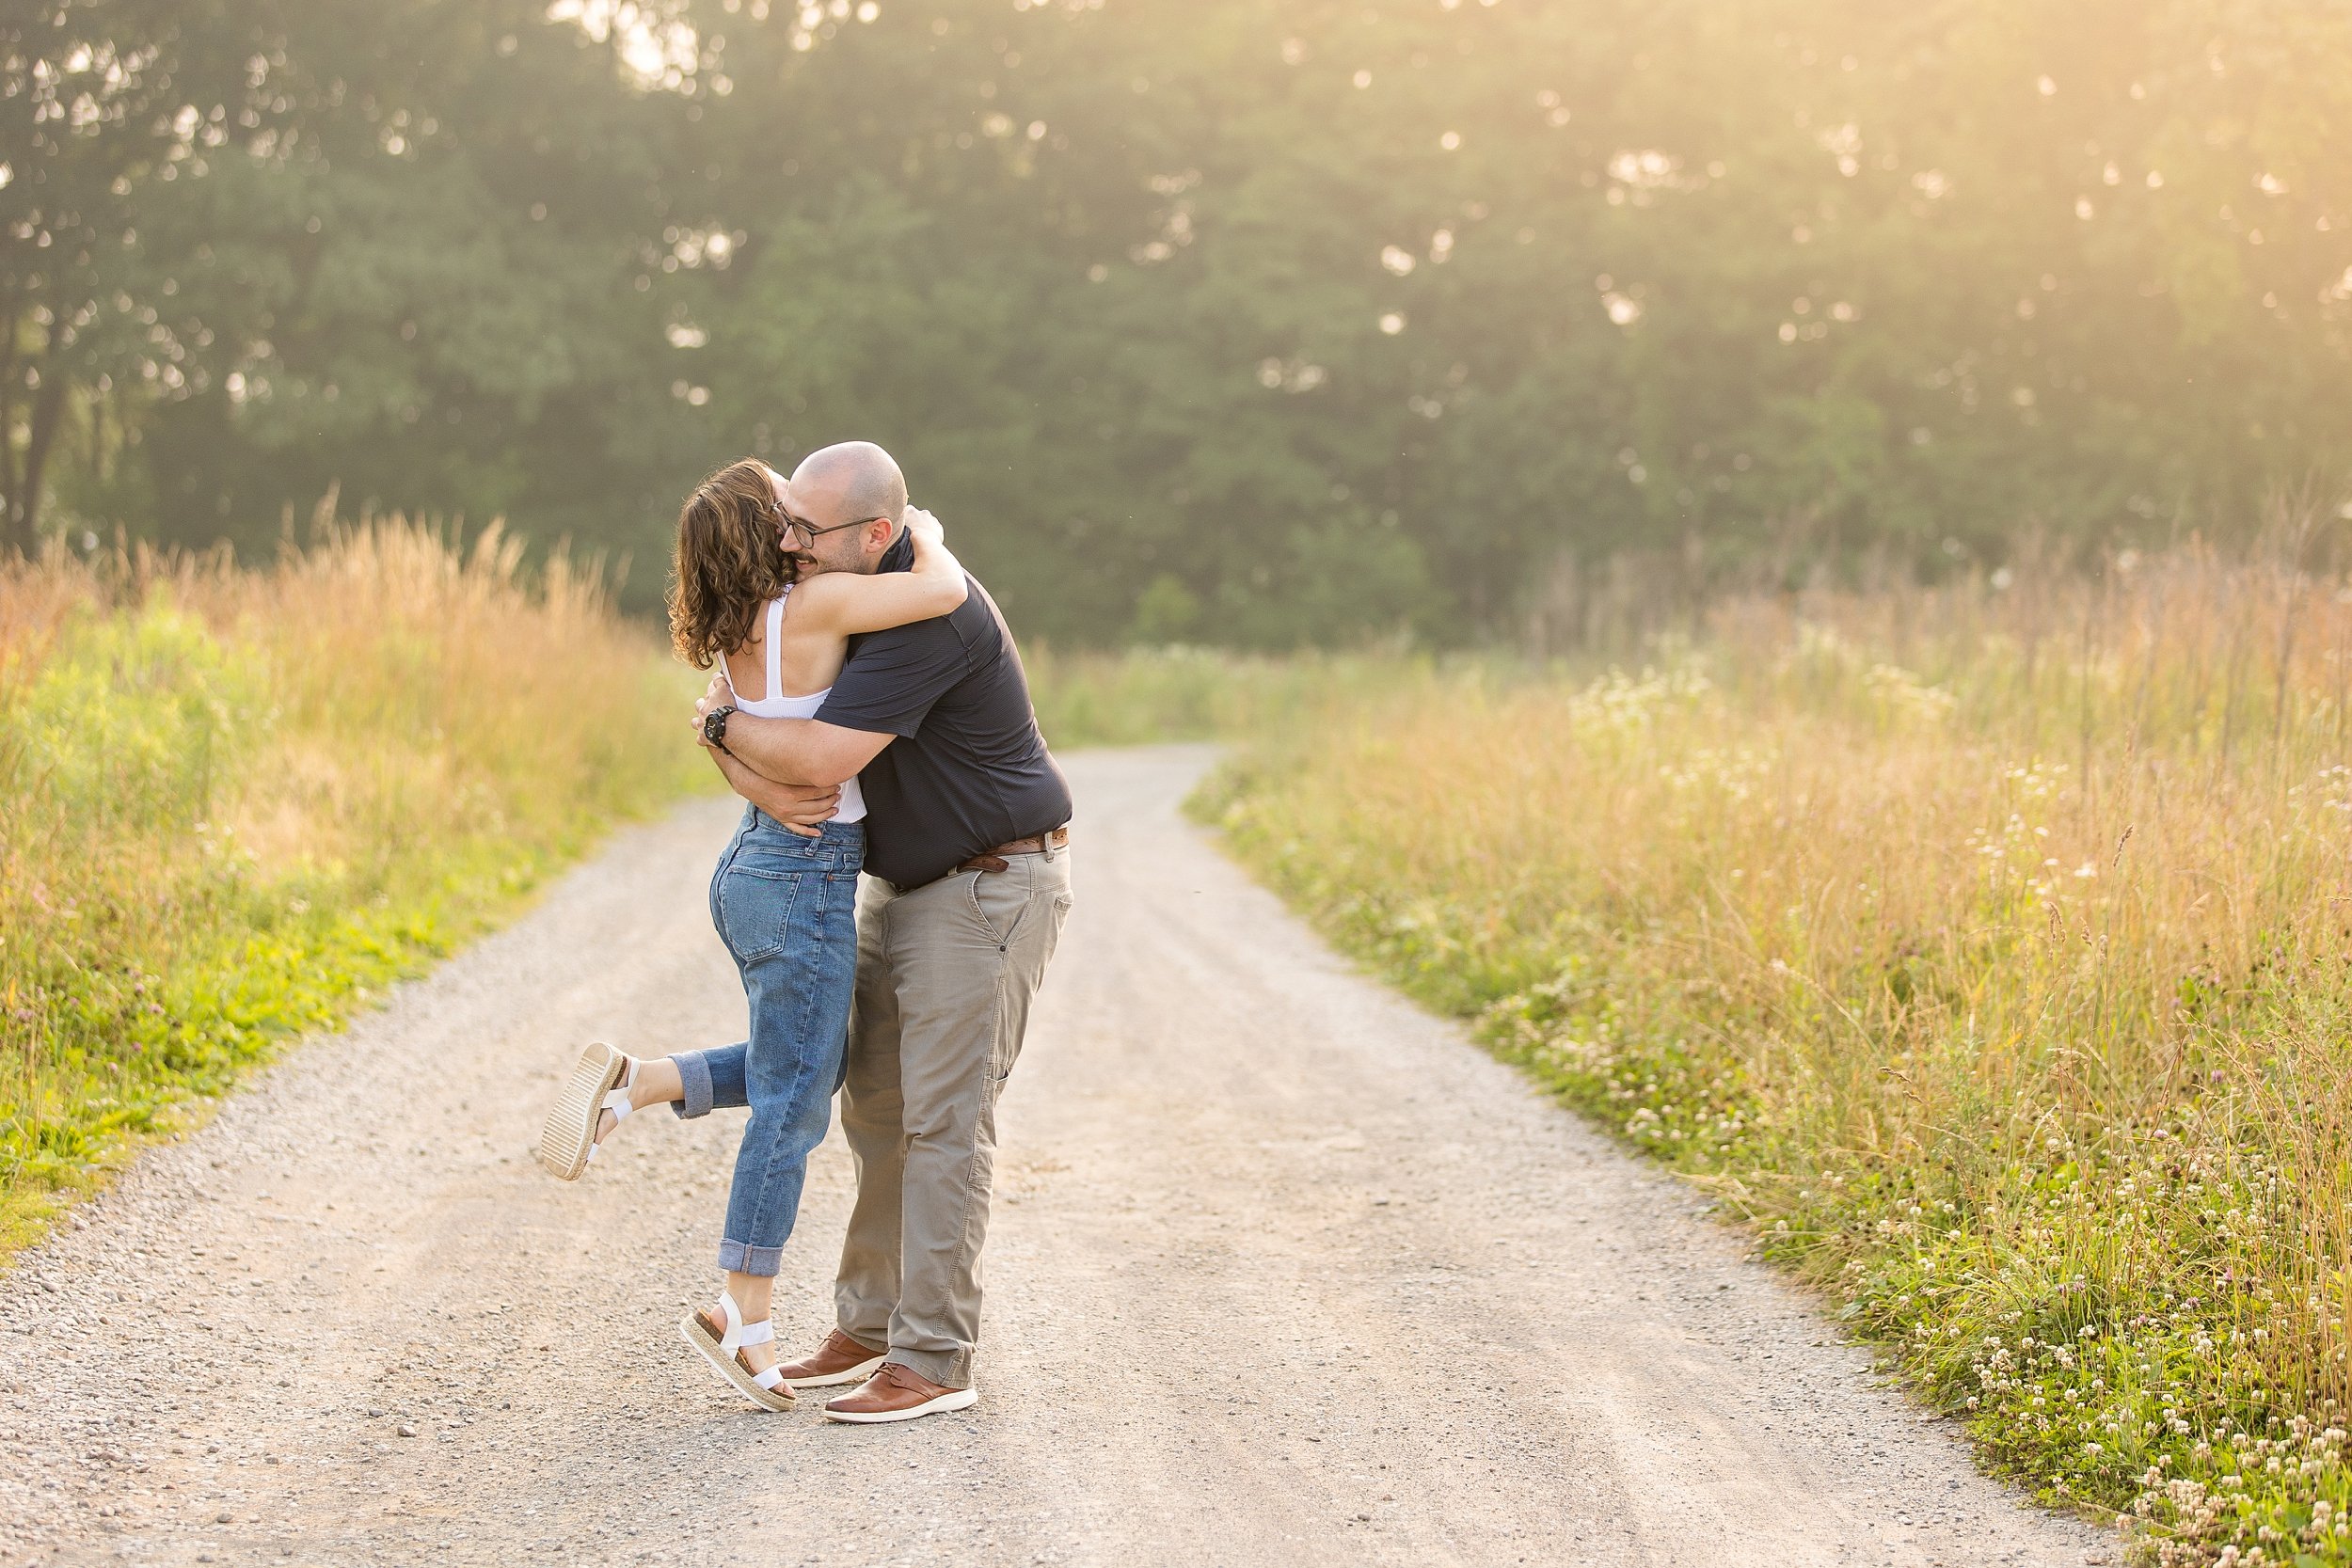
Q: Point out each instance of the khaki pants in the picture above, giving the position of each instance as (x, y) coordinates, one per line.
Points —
(945, 976)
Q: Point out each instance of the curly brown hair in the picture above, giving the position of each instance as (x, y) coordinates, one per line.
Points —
(730, 561)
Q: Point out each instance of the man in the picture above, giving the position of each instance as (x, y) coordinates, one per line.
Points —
(968, 884)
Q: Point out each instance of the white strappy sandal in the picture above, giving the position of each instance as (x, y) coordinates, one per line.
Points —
(600, 1082)
(725, 1354)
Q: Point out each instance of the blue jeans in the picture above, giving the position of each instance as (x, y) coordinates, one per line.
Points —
(786, 907)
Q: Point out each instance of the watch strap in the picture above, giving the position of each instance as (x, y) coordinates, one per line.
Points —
(715, 724)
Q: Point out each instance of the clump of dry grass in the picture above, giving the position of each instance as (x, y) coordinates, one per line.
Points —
(238, 800)
(1989, 949)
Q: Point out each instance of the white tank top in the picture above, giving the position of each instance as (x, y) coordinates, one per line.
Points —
(773, 706)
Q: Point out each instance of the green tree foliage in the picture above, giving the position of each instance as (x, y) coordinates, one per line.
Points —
(102, 107)
(1263, 322)
(260, 248)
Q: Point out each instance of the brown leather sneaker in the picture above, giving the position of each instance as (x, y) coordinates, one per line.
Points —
(839, 1359)
(897, 1394)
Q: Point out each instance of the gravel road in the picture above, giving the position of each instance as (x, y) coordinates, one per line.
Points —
(1283, 1272)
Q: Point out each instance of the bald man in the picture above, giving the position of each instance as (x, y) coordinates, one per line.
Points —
(967, 885)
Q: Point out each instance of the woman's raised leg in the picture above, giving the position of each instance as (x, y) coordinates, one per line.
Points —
(603, 1088)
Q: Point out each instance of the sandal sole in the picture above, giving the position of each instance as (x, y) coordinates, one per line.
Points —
(691, 1329)
(570, 1130)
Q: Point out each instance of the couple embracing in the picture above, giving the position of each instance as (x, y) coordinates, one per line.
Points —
(869, 707)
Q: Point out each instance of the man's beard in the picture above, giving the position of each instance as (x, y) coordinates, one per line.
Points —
(843, 558)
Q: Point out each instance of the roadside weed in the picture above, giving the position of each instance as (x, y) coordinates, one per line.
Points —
(1989, 953)
(239, 802)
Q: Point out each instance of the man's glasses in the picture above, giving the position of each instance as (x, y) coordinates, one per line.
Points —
(793, 528)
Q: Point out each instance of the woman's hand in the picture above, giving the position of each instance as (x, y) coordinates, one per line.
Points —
(925, 527)
(716, 694)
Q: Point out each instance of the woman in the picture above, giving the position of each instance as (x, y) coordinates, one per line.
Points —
(783, 903)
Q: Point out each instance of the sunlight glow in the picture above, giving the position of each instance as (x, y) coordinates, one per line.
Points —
(660, 51)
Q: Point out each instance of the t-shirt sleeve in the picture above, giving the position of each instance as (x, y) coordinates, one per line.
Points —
(893, 677)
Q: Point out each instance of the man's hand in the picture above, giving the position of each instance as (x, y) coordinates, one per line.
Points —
(802, 808)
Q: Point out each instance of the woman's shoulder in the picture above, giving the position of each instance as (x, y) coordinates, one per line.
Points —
(819, 595)
(810, 587)
(815, 611)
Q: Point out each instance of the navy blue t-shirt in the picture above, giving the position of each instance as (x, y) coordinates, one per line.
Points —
(968, 770)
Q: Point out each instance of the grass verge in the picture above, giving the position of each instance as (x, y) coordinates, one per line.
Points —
(242, 802)
(1990, 951)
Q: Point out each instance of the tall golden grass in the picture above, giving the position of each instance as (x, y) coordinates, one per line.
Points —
(236, 799)
(1991, 950)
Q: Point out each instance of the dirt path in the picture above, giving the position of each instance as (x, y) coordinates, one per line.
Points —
(1282, 1273)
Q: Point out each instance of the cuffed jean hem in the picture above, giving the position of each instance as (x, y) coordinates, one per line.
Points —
(694, 1075)
(735, 1258)
(948, 1368)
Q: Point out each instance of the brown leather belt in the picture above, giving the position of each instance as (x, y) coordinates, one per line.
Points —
(994, 860)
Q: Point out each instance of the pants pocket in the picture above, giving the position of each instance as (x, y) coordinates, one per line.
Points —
(755, 910)
(1000, 902)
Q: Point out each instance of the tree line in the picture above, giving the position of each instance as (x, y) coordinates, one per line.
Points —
(1257, 321)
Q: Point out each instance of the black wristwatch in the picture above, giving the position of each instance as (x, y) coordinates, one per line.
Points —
(715, 726)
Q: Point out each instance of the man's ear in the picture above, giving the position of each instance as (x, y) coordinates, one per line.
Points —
(881, 534)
